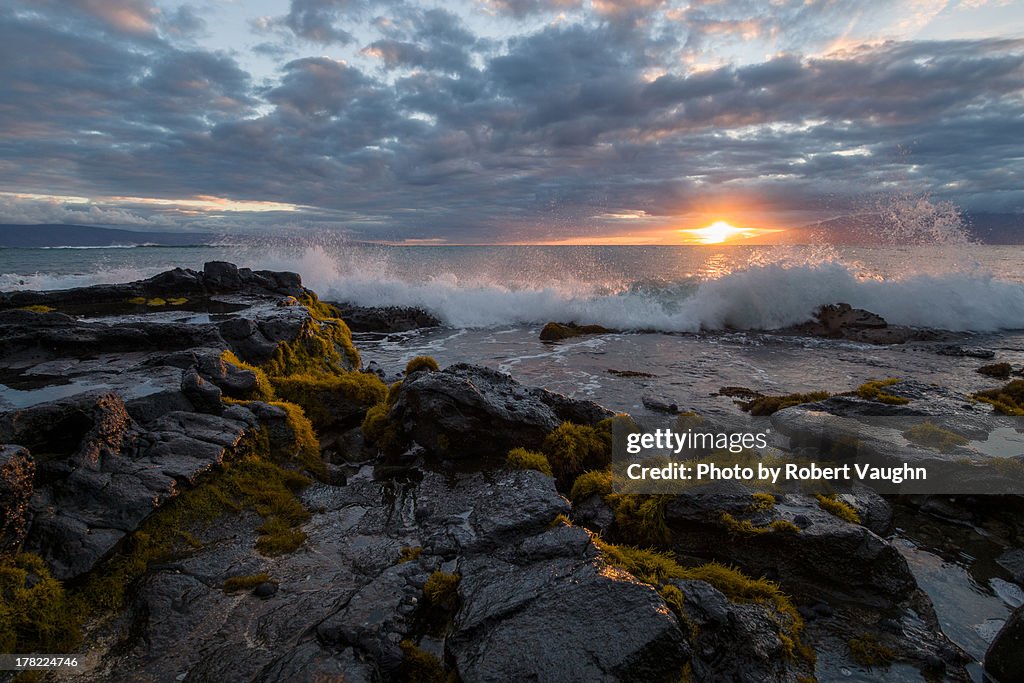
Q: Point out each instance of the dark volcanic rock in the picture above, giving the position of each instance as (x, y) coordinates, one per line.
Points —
(217, 277)
(537, 603)
(842, 321)
(205, 396)
(828, 557)
(724, 629)
(102, 473)
(557, 331)
(386, 319)
(16, 472)
(469, 411)
(1013, 561)
(1005, 657)
(559, 614)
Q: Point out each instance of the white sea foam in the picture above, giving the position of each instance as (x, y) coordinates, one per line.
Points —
(501, 286)
(759, 297)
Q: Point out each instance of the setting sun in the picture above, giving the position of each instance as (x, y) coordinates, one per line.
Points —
(719, 232)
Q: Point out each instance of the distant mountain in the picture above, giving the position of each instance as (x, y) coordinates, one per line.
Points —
(28, 236)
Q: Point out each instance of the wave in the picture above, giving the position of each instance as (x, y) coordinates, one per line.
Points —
(532, 287)
(760, 297)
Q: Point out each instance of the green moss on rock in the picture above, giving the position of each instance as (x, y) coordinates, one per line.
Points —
(996, 370)
(838, 508)
(875, 391)
(264, 390)
(235, 584)
(867, 651)
(572, 449)
(766, 405)
(557, 331)
(421, 363)
(326, 399)
(523, 459)
(419, 666)
(1008, 399)
(35, 613)
(930, 435)
(589, 483)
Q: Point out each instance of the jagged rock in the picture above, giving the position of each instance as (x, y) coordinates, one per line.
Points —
(593, 513)
(828, 557)
(205, 396)
(561, 616)
(534, 598)
(965, 351)
(103, 473)
(724, 629)
(1013, 561)
(1005, 657)
(842, 321)
(217, 278)
(557, 331)
(468, 411)
(227, 377)
(17, 470)
(386, 319)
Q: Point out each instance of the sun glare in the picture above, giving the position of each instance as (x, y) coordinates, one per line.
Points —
(718, 232)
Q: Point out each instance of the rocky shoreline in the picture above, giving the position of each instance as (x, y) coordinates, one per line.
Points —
(200, 480)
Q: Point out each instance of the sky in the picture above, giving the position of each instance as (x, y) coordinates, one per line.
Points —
(495, 121)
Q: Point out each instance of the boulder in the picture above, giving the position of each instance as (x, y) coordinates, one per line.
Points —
(102, 473)
(17, 470)
(471, 411)
(734, 641)
(843, 321)
(1004, 660)
(561, 614)
(824, 556)
(386, 319)
(204, 396)
(558, 331)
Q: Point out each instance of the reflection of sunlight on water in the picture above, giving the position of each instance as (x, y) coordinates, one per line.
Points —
(716, 266)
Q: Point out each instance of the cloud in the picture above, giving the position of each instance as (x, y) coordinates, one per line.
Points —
(42, 209)
(430, 129)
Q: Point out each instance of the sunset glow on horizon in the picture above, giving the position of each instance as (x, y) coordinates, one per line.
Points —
(721, 232)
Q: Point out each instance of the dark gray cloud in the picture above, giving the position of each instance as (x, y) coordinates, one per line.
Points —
(440, 133)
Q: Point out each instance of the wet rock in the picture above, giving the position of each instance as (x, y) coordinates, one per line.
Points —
(222, 276)
(205, 396)
(558, 331)
(965, 351)
(217, 277)
(470, 411)
(734, 642)
(561, 617)
(842, 321)
(828, 558)
(106, 473)
(1004, 660)
(1013, 561)
(17, 470)
(660, 405)
(386, 319)
(593, 513)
